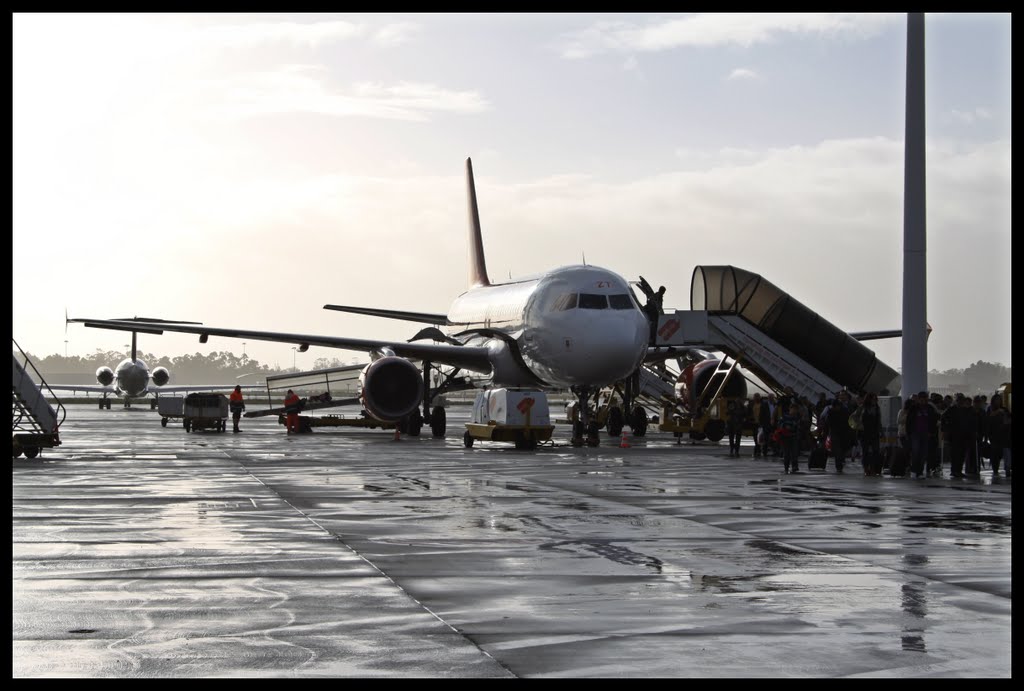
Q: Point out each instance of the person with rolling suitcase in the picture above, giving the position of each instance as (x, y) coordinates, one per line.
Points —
(818, 458)
(897, 461)
(922, 427)
(871, 435)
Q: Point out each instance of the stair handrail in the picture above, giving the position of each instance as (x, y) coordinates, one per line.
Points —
(61, 410)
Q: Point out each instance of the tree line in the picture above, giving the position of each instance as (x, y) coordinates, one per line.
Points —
(225, 366)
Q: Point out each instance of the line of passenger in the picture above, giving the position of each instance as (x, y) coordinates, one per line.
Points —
(932, 431)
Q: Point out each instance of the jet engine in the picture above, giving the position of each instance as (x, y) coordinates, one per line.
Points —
(161, 376)
(105, 376)
(701, 379)
(390, 387)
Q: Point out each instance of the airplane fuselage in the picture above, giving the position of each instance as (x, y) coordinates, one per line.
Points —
(572, 326)
(131, 378)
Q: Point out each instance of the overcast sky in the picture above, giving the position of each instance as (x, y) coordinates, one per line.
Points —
(244, 170)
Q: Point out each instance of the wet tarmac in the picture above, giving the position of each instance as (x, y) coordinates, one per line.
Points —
(143, 552)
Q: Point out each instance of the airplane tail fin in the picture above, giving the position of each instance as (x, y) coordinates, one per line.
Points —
(477, 266)
(134, 337)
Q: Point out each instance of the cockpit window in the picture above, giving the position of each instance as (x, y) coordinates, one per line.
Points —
(564, 302)
(589, 301)
(620, 302)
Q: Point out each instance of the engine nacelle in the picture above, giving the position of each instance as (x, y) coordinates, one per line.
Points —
(701, 378)
(161, 376)
(105, 376)
(390, 388)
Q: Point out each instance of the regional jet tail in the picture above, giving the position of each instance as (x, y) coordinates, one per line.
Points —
(573, 327)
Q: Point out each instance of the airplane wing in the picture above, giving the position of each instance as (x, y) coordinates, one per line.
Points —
(424, 317)
(473, 358)
(88, 388)
(184, 388)
(873, 335)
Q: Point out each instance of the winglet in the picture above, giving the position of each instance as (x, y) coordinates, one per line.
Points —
(477, 266)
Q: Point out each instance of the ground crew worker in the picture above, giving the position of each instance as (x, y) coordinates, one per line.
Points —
(237, 406)
(655, 305)
(291, 408)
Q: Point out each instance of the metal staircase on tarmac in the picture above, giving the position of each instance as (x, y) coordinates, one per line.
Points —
(35, 423)
(773, 364)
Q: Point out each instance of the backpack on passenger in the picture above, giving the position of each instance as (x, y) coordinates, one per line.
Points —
(818, 458)
(897, 461)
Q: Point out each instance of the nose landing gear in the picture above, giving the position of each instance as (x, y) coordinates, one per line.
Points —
(585, 430)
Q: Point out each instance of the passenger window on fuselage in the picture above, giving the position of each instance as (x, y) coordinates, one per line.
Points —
(565, 302)
(620, 302)
(593, 302)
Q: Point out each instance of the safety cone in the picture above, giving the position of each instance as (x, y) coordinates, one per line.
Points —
(624, 439)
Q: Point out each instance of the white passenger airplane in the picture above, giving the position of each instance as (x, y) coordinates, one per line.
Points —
(131, 379)
(576, 327)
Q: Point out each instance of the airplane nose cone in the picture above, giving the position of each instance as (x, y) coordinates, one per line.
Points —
(610, 355)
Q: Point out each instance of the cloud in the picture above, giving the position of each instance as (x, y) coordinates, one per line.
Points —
(742, 73)
(305, 89)
(396, 34)
(704, 30)
(970, 117)
(311, 34)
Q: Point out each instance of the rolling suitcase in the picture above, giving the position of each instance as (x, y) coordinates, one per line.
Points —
(873, 463)
(897, 461)
(818, 458)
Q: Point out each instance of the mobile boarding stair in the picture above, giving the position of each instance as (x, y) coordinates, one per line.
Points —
(783, 342)
(35, 423)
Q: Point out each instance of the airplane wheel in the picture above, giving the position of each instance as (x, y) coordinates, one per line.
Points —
(715, 430)
(16, 449)
(467, 439)
(438, 422)
(31, 451)
(638, 421)
(415, 423)
(163, 422)
(187, 425)
(152, 405)
(101, 403)
(616, 421)
(108, 405)
(127, 403)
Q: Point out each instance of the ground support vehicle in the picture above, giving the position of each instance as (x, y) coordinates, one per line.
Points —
(308, 422)
(705, 423)
(509, 415)
(35, 423)
(30, 443)
(205, 411)
(170, 408)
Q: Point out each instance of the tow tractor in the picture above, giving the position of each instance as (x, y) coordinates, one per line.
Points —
(518, 416)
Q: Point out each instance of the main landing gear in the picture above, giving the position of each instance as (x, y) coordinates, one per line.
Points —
(104, 403)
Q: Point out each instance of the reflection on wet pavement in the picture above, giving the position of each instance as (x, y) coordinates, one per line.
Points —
(348, 554)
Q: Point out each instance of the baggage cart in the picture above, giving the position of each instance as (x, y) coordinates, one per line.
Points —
(170, 407)
(205, 411)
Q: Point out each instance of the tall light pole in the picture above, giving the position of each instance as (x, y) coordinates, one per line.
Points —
(243, 349)
(65, 347)
(294, 351)
(914, 373)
